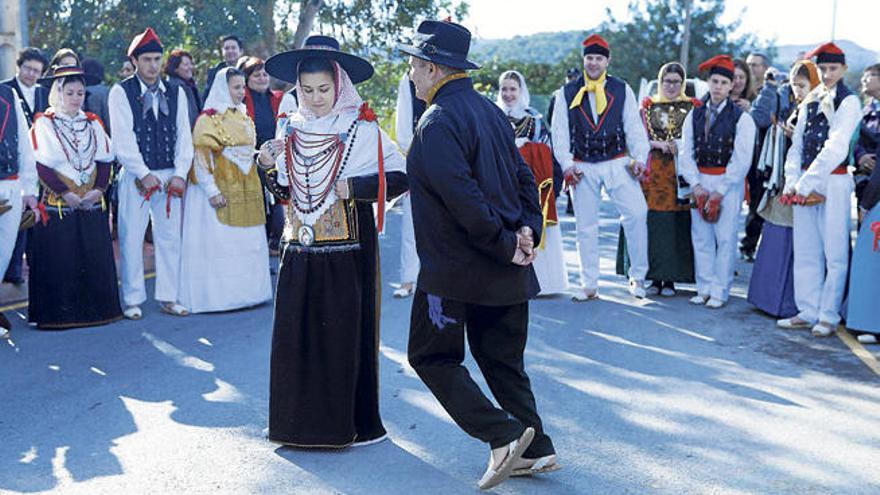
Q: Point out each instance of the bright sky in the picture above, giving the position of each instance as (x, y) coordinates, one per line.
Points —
(857, 20)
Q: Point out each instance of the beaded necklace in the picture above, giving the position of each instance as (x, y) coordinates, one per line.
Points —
(80, 153)
(314, 161)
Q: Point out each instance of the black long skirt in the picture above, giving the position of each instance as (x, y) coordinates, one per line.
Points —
(72, 279)
(324, 383)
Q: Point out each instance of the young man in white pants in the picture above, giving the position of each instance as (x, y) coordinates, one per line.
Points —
(820, 185)
(599, 141)
(718, 140)
(18, 178)
(409, 110)
(151, 134)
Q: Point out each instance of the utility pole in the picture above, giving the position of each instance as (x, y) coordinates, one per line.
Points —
(686, 37)
(834, 21)
(13, 34)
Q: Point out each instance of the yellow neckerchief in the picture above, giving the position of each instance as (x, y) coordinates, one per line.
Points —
(659, 97)
(442, 82)
(596, 87)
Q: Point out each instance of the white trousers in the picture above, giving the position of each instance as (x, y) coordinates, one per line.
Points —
(10, 190)
(134, 214)
(409, 258)
(627, 196)
(715, 243)
(821, 252)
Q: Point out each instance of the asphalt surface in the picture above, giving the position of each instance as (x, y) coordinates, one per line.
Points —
(640, 397)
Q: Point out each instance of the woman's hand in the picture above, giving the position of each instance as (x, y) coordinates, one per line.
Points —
(90, 198)
(341, 189)
(217, 201)
(269, 152)
(72, 199)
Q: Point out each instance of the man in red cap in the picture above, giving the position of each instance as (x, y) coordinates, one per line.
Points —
(599, 141)
(149, 120)
(718, 140)
(820, 184)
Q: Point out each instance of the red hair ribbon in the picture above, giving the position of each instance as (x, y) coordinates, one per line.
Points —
(367, 114)
(175, 192)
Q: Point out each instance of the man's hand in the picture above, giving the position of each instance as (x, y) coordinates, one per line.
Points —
(868, 161)
(572, 176)
(525, 239)
(72, 200)
(521, 258)
(90, 198)
(787, 129)
(151, 183)
(638, 170)
(217, 201)
(176, 186)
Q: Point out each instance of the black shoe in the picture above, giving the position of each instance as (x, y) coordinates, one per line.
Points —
(747, 256)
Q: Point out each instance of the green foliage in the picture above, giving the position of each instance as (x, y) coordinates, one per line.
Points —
(103, 30)
(653, 37)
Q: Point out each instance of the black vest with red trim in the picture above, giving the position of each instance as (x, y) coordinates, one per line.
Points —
(594, 142)
(156, 138)
(8, 133)
(816, 130)
(715, 148)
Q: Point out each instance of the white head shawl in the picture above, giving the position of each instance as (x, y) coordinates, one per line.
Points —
(219, 98)
(347, 98)
(518, 109)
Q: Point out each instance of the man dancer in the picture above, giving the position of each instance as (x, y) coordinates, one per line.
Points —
(477, 221)
(718, 140)
(599, 141)
(151, 134)
(819, 183)
(18, 177)
(34, 99)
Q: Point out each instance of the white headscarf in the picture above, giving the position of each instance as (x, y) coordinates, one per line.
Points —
(56, 96)
(347, 97)
(219, 98)
(518, 109)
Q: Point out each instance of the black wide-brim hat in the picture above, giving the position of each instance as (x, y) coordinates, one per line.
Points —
(285, 65)
(442, 42)
(60, 71)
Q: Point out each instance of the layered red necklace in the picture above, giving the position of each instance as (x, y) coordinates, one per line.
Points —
(314, 162)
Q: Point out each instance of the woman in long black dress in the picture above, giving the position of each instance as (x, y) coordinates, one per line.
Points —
(72, 272)
(332, 162)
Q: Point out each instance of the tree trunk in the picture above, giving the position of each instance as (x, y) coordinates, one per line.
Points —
(266, 45)
(686, 38)
(308, 11)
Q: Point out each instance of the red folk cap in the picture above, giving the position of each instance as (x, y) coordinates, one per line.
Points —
(827, 53)
(596, 44)
(145, 42)
(719, 64)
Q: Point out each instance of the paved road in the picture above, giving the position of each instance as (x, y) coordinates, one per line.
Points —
(640, 397)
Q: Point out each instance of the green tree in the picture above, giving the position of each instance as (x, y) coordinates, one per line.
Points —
(653, 36)
(103, 30)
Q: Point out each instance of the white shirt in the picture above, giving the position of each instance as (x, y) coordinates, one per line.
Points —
(637, 144)
(125, 145)
(841, 128)
(29, 93)
(403, 124)
(740, 160)
(27, 164)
